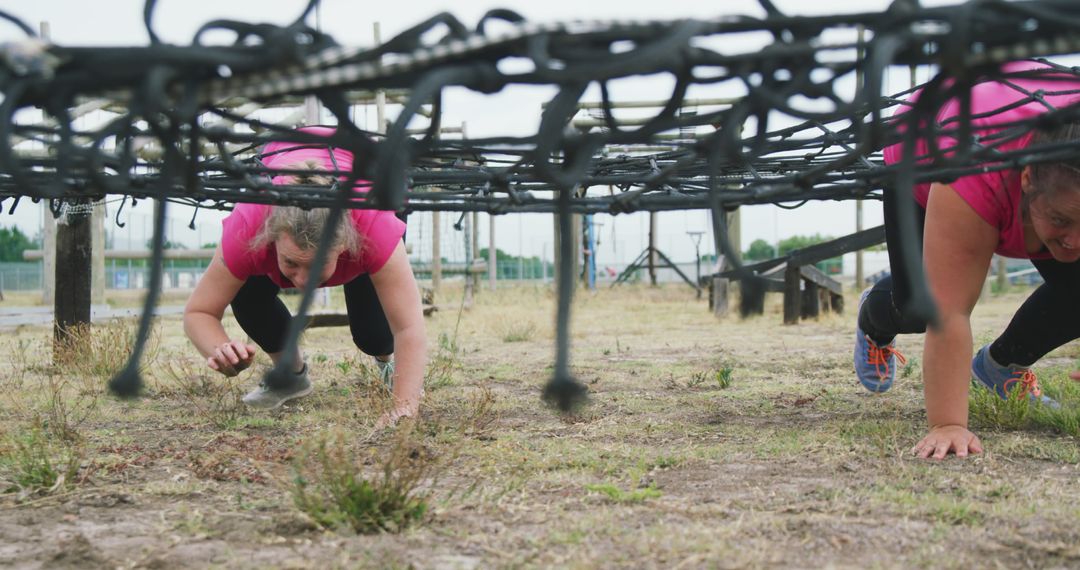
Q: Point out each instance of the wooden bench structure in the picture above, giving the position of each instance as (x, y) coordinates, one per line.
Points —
(807, 290)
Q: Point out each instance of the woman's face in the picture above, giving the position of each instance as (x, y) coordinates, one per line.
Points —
(295, 263)
(1055, 217)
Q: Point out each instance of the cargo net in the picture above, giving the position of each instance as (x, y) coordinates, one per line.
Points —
(808, 122)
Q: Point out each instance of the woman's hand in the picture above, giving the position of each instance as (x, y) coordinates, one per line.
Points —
(232, 357)
(943, 439)
(395, 415)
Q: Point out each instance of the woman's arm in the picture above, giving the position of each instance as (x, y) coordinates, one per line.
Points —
(202, 319)
(957, 247)
(400, 300)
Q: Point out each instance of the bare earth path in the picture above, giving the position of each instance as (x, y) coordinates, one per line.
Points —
(790, 465)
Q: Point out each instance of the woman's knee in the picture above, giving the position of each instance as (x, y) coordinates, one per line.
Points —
(373, 343)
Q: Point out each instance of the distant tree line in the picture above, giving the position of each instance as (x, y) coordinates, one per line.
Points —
(529, 265)
(13, 243)
(761, 250)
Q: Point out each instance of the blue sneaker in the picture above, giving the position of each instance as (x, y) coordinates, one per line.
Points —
(1003, 379)
(875, 366)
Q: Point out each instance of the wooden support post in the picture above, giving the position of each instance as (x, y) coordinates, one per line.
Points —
(475, 275)
(811, 306)
(792, 295)
(824, 299)
(575, 245)
(718, 298)
(469, 253)
(74, 247)
(97, 229)
(860, 275)
(48, 226)
(652, 248)
(380, 95)
(837, 303)
(1002, 275)
(751, 299)
(734, 224)
(492, 254)
(436, 253)
(312, 115)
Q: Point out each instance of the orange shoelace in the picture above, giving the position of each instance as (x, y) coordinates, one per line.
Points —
(879, 357)
(1028, 383)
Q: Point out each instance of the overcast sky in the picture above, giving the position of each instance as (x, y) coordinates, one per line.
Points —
(514, 111)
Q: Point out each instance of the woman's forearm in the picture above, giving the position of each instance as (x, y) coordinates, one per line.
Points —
(947, 371)
(205, 332)
(410, 359)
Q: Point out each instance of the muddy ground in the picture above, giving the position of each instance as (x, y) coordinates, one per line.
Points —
(707, 444)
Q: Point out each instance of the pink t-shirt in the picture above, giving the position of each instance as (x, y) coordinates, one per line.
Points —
(379, 231)
(995, 196)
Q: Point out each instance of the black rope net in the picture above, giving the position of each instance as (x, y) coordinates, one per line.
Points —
(765, 146)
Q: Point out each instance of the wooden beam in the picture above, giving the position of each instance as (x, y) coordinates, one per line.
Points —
(818, 277)
(792, 295)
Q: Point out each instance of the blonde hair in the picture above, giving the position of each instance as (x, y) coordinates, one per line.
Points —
(305, 227)
(1049, 177)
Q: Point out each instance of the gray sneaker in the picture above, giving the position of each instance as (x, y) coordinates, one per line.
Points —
(386, 371)
(264, 398)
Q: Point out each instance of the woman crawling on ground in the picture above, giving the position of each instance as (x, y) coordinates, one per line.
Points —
(267, 248)
(1031, 213)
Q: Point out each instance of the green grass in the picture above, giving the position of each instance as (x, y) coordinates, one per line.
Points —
(617, 495)
(947, 507)
(1018, 412)
(884, 438)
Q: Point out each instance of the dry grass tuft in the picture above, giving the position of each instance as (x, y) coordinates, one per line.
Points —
(67, 408)
(214, 398)
(331, 486)
(32, 463)
(97, 352)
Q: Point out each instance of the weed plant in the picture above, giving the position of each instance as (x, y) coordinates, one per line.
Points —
(33, 464)
(442, 364)
(371, 393)
(330, 485)
(718, 377)
(67, 408)
(217, 399)
(470, 416)
(13, 379)
(911, 368)
(51, 397)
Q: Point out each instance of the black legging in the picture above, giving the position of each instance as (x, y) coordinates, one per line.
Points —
(1049, 318)
(264, 317)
